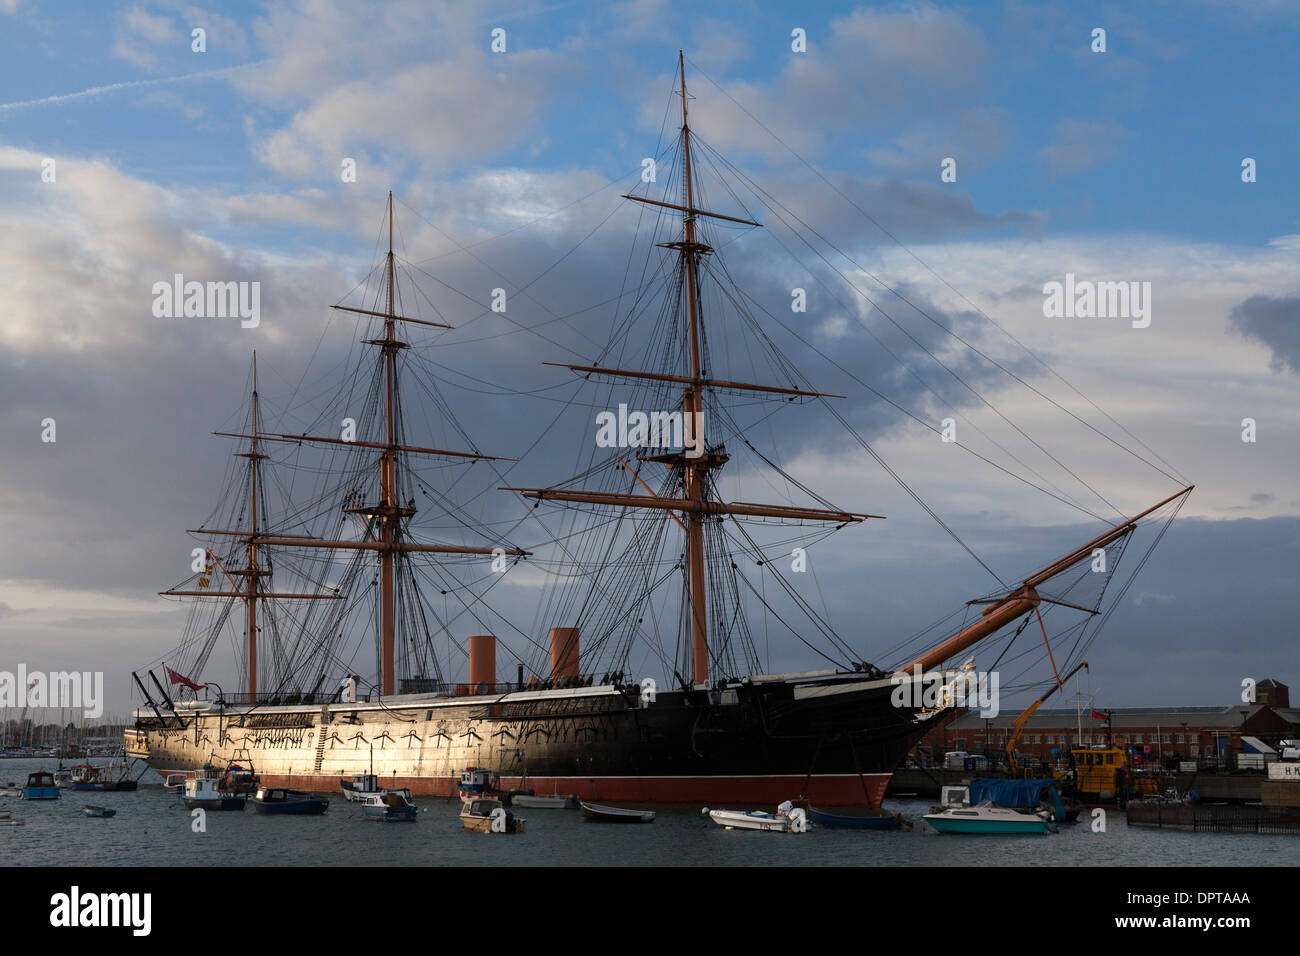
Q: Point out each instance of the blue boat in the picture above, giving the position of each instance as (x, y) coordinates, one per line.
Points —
(40, 786)
(275, 800)
(865, 818)
(102, 812)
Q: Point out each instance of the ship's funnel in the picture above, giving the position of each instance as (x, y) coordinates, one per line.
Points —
(564, 652)
(482, 659)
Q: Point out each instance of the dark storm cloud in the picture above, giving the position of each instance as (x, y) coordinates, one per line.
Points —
(1273, 322)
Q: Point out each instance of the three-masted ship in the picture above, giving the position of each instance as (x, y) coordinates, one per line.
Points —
(573, 721)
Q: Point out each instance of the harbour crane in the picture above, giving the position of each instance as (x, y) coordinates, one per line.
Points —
(1018, 728)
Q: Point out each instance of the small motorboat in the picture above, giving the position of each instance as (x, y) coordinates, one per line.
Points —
(989, 819)
(389, 806)
(595, 813)
(239, 779)
(476, 782)
(11, 789)
(175, 782)
(856, 818)
(487, 815)
(40, 786)
(794, 821)
(102, 812)
(277, 800)
(7, 819)
(203, 792)
(363, 786)
(113, 778)
(556, 801)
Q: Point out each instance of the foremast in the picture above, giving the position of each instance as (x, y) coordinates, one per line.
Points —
(390, 515)
(696, 503)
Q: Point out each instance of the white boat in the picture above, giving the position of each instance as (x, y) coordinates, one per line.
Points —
(204, 792)
(363, 786)
(596, 813)
(389, 806)
(987, 818)
(796, 821)
(556, 801)
(11, 789)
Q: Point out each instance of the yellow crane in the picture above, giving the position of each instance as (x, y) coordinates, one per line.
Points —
(1018, 728)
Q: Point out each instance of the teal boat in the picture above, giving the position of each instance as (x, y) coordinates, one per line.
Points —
(1002, 806)
(41, 786)
(988, 819)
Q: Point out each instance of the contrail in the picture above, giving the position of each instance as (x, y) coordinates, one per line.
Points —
(129, 84)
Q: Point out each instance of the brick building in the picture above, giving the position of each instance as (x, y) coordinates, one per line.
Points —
(1157, 734)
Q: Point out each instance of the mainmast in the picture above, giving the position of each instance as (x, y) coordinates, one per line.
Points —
(254, 466)
(697, 472)
(390, 514)
(696, 503)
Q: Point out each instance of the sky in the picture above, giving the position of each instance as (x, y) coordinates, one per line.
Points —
(1169, 158)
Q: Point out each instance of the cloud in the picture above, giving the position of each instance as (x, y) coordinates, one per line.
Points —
(864, 69)
(1082, 144)
(1274, 323)
(139, 35)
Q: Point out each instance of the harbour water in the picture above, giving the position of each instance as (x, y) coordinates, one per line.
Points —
(153, 828)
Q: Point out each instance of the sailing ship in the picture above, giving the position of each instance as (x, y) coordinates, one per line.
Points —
(713, 730)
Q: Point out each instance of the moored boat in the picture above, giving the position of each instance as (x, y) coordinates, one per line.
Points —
(795, 821)
(389, 806)
(988, 819)
(856, 818)
(205, 793)
(277, 800)
(487, 815)
(596, 813)
(557, 801)
(40, 786)
(102, 812)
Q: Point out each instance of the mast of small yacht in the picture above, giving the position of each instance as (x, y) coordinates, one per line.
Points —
(696, 460)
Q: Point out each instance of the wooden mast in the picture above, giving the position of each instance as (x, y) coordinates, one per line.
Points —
(695, 468)
(389, 511)
(254, 459)
(388, 480)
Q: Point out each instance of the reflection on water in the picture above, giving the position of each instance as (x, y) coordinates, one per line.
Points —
(154, 828)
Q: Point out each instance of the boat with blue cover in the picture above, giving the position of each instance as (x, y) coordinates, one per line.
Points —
(103, 813)
(1002, 807)
(40, 786)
